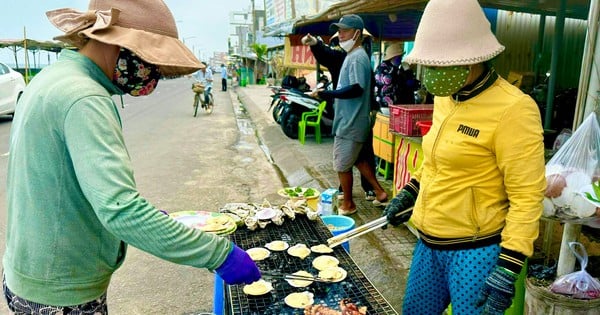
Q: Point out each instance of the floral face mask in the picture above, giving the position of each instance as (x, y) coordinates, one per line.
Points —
(135, 76)
(445, 81)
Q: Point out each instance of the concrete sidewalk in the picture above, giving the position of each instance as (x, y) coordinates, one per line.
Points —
(383, 255)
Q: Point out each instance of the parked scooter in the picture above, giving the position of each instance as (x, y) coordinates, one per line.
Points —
(278, 100)
(288, 103)
(294, 106)
(276, 106)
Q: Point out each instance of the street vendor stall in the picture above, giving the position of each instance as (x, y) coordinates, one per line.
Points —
(299, 245)
(35, 46)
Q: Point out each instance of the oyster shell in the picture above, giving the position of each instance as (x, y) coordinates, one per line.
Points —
(279, 218)
(311, 214)
(299, 250)
(259, 287)
(258, 253)
(263, 223)
(251, 223)
(299, 299)
(288, 211)
(277, 246)
(321, 249)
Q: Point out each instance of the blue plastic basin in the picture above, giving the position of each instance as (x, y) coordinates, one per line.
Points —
(339, 224)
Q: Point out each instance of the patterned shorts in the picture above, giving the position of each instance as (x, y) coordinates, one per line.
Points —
(21, 306)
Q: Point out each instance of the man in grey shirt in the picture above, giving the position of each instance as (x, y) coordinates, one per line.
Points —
(351, 124)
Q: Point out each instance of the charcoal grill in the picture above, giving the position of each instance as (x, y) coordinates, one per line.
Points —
(355, 286)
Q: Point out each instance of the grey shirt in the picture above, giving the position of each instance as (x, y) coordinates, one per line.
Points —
(352, 115)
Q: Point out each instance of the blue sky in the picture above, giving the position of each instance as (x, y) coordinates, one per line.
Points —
(204, 24)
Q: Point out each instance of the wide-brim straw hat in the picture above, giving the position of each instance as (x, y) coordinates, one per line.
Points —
(453, 33)
(393, 50)
(145, 27)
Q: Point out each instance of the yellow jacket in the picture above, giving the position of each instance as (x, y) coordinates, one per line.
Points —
(482, 175)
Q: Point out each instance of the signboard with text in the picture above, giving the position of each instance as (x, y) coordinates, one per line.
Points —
(298, 56)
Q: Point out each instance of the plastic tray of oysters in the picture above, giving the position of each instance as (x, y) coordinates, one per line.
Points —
(298, 246)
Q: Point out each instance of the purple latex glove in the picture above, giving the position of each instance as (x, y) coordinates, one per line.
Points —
(238, 267)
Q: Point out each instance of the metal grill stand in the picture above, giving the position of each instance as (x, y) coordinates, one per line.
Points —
(355, 286)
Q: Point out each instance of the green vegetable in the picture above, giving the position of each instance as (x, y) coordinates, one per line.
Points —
(596, 187)
(298, 189)
(309, 192)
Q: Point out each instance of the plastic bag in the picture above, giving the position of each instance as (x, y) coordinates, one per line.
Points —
(571, 172)
(579, 284)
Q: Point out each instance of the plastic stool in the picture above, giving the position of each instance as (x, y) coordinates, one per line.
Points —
(218, 298)
(386, 170)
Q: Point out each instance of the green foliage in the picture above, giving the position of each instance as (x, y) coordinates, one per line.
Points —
(596, 187)
(260, 50)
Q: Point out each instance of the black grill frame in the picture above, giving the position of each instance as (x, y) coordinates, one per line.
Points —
(356, 286)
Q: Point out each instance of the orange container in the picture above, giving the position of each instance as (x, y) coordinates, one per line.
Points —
(403, 118)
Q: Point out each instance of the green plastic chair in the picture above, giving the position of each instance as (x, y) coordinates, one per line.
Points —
(311, 119)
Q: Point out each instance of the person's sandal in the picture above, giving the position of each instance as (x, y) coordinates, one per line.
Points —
(383, 203)
(342, 211)
(370, 196)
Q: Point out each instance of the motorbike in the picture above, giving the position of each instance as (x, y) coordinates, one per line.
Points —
(288, 103)
(276, 105)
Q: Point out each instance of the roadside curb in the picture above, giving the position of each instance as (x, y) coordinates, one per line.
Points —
(291, 160)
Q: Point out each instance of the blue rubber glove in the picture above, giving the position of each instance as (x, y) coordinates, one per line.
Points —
(238, 267)
(498, 291)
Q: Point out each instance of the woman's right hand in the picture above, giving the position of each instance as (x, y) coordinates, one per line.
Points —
(238, 268)
(308, 40)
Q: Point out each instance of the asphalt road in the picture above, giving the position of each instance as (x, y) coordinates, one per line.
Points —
(181, 163)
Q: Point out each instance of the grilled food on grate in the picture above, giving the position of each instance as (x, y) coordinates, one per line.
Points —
(299, 299)
(299, 250)
(346, 306)
(259, 287)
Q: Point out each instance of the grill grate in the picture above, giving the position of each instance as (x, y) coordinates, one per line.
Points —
(301, 230)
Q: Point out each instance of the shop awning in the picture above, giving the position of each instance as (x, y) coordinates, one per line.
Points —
(398, 19)
(31, 44)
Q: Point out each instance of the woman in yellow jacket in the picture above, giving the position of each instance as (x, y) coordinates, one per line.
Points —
(478, 195)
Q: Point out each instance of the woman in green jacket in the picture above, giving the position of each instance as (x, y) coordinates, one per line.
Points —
(73, 205)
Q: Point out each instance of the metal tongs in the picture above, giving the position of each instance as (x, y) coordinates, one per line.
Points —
(287, 276)
(363, 229)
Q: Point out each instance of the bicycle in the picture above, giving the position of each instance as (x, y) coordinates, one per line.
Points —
(198, 90)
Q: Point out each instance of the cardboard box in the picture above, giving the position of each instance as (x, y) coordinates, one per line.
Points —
(381, 129)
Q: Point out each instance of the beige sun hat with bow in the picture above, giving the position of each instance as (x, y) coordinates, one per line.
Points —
(145, 27)
(453, 33)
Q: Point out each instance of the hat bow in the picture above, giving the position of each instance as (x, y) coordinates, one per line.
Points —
(72, 21)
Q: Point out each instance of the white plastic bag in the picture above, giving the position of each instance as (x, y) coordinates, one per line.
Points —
(579, 284)
(571, 172)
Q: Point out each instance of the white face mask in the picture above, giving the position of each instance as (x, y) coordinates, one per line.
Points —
(348, 44)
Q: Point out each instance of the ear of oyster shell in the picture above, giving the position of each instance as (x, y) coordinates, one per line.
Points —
(311, 214)
(251, 223)
(263, 223)
(288, 211)
(266, 204)
(278, 218)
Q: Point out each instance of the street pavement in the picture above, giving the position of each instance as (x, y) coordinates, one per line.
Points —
(383, 255)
